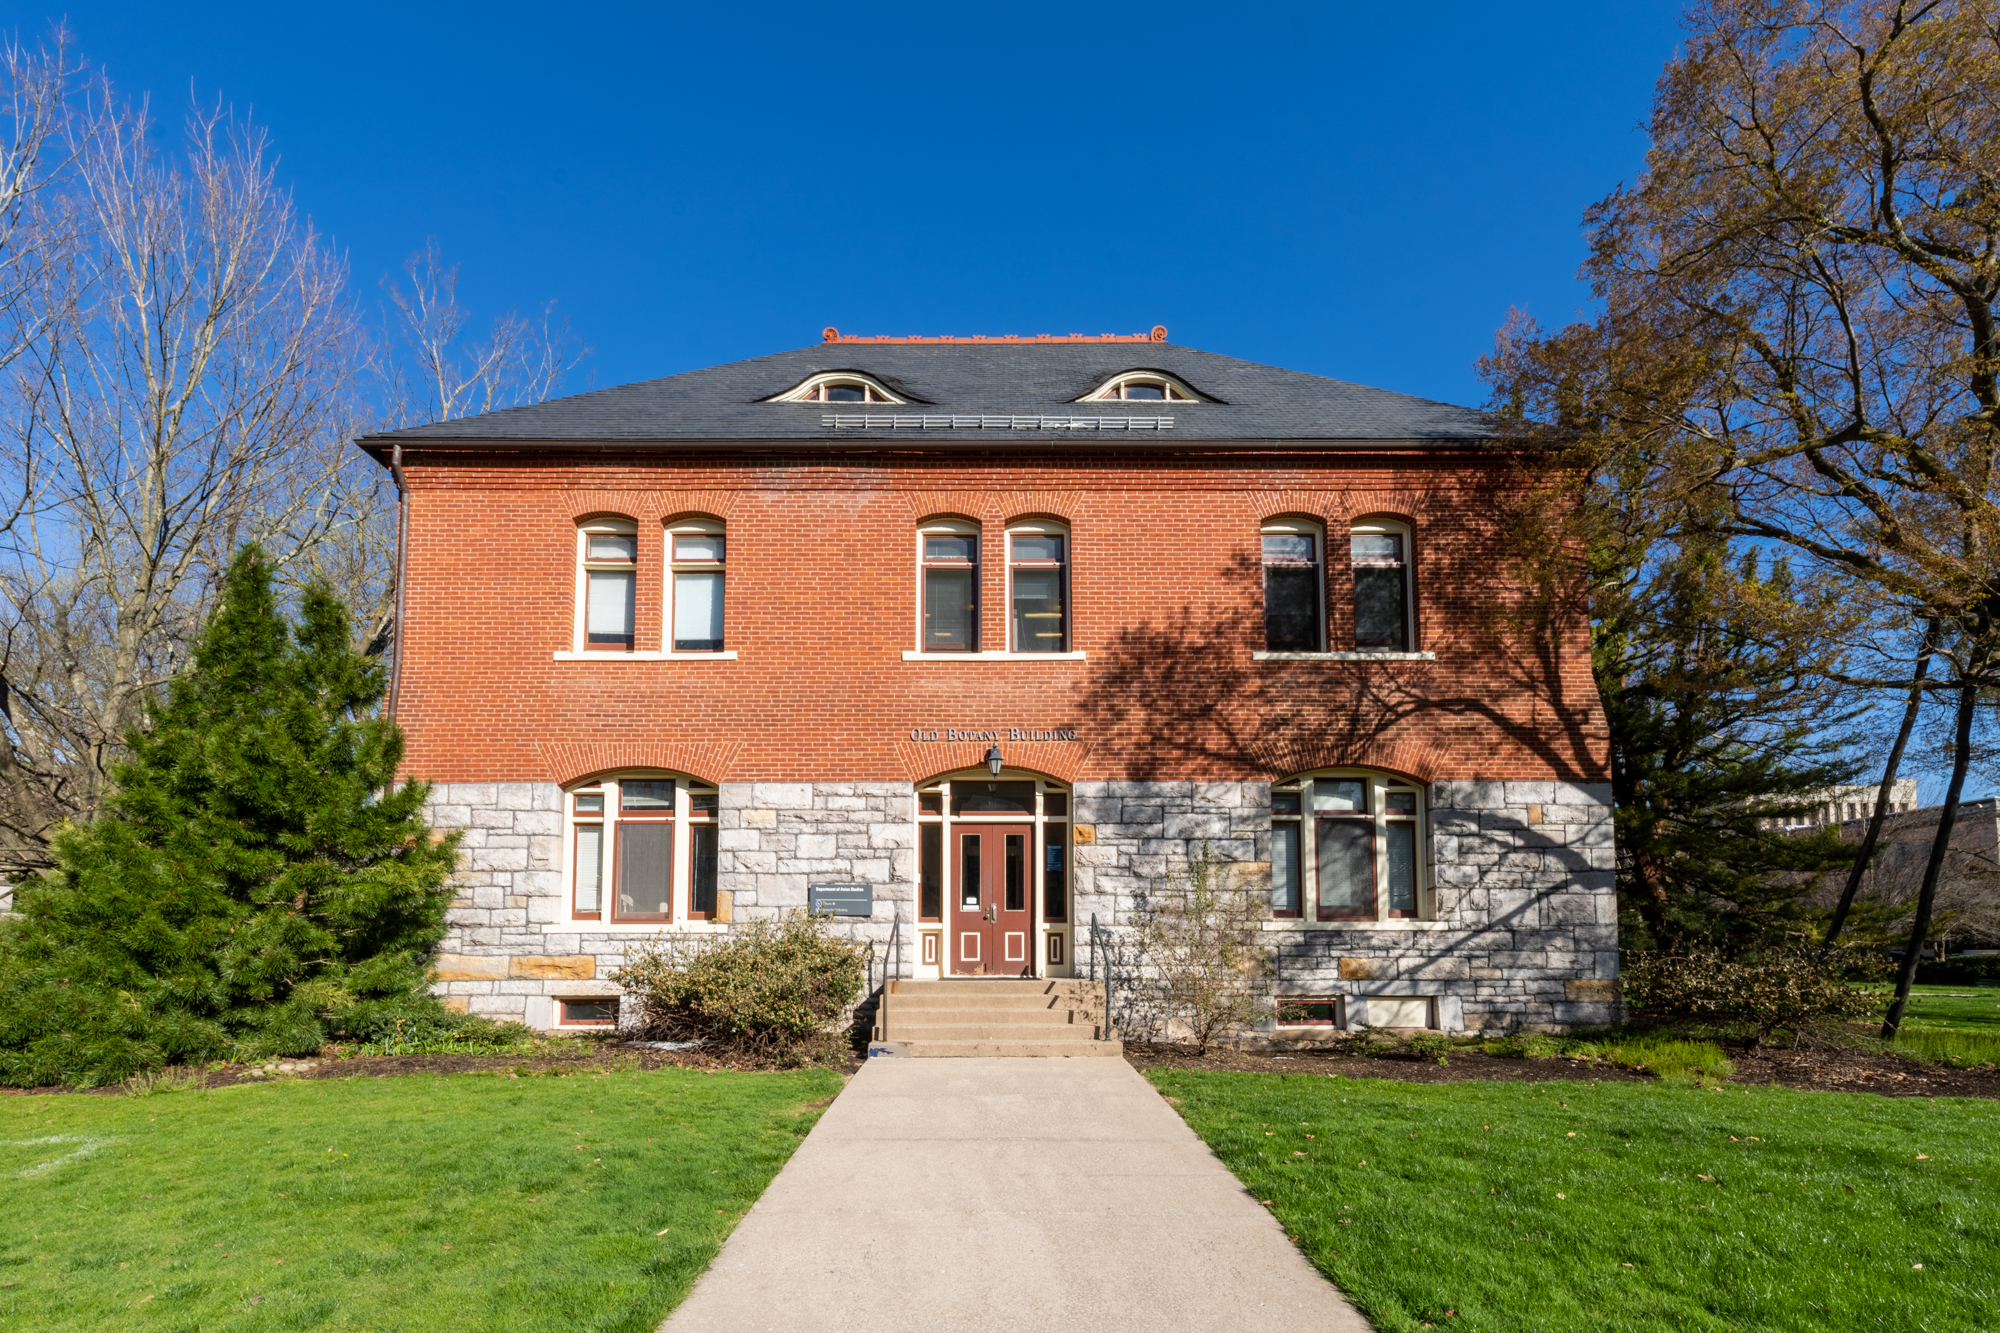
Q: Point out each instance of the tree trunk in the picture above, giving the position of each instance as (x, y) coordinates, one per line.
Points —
(1925, 647)
(1968, 698)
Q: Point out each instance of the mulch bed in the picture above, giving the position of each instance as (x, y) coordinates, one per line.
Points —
(1815, 1068)
(554, 1063)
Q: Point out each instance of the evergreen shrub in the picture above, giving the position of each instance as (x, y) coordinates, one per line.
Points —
(770, 990)
(257, 886)
(1788, 985)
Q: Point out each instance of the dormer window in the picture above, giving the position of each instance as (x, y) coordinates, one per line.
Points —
(1145, 386)
(843, 386)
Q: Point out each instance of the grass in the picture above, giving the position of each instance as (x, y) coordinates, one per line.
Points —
(590, 1201)
(1481, 1207)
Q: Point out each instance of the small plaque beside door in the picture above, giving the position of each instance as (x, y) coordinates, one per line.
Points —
(840, 899)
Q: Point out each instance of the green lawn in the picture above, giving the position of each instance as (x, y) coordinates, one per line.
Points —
(1626, 1206)
(1962, 1008)
(590, 1201)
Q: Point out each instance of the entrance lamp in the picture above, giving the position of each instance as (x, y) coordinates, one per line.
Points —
(993, 760)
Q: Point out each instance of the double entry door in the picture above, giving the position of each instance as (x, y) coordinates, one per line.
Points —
(992, 917)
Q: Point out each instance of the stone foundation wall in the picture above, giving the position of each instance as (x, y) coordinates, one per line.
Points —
(1525, 935)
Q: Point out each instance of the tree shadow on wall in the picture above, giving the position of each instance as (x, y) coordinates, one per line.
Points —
(1185, 695)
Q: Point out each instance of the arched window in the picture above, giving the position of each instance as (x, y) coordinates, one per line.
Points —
(696, 553)
(607, 553)
(839, 386)
(1348, 845)
(1142, 386)
(948, 565)
(1383, 596)
(643, 849)
(1038, 587)
(1293, 599)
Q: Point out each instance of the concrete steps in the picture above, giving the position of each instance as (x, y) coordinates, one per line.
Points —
(993, 1017)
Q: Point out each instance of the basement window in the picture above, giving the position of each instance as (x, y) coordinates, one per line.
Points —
(598, 1012)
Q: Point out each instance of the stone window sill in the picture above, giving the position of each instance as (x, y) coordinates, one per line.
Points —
(1392, 924)
(992, 657)
(1343, 657)
(726, 656)
(635, 927)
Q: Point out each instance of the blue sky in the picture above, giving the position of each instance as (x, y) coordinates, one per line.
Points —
(1341, 189)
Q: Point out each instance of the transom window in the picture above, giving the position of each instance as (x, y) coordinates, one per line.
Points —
(1346, 846)
(841, 386)
(643, 849)
(607, 583)
(948, 554)
(1382, 592)
(1293, 602)
(1144, 386)
(696, 552)
(1038, 592)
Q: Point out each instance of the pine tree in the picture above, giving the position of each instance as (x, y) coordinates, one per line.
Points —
(258, 884)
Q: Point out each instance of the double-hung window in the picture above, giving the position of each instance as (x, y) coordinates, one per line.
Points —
(697, 552)
(1382, 593)
(1293, 600)
(1347, 847)
(608, 553)
(1038, 592)
(950, 559)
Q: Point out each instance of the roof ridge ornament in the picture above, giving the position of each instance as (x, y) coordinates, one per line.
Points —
(1157, 335)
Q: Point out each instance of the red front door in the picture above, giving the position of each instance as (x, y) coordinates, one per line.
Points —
(992, 926)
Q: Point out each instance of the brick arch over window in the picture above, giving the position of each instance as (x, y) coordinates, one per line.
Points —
(996, 506)
(949, 516)
(1420, 761)
(569, 762)
(1059, 761)
(1316, 505)
(649, 505)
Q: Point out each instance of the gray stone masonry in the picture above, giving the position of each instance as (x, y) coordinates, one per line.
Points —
(1525, 932)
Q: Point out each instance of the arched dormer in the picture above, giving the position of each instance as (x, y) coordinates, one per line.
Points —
(1143, 386)
(839, 386)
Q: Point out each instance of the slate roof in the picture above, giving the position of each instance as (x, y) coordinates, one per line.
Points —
(972, 382)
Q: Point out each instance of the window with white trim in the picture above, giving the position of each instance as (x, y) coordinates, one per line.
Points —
(1348, 845)
(1380, 554)
(1294, 600)
(607, 551)
(839, 386)
(696, 551)
(643, 849)
(1038, 587)
(948, 561)
(1143, 386)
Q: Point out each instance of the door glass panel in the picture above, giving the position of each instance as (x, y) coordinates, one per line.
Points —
(1400, 843)
(589, 867)
(968, 869)
(977, 798)
(1346, 868)
(1017, 872)
(701, 870)
(930, 857)
(1055, 885)
(948, 606)
(645, 870)
(1285, 868)
(698, 612)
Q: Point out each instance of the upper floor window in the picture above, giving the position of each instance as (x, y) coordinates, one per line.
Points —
(696, 552)
(840, 386)
(949, 556)
(643, 849)
(1382, 592)
(1038, 591)
(1143, 386)
(1292, 598)
(607, 583)
(1347, 843)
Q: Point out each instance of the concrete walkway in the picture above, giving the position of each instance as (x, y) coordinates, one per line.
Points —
(1014, 1194)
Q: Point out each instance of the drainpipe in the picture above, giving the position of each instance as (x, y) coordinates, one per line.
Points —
(402, 578)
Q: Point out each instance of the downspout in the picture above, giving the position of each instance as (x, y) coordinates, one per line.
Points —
(402, 578)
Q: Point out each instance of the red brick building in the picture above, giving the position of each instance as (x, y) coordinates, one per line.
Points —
(981, 636)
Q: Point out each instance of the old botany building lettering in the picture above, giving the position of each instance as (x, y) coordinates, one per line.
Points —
(977, 639)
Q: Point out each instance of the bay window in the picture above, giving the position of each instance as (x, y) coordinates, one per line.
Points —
(1349, 844)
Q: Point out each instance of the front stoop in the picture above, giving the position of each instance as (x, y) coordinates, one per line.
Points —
(993, 1017)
